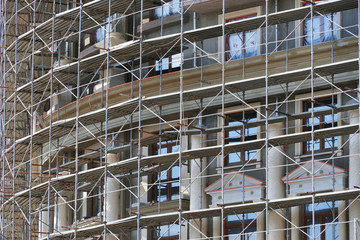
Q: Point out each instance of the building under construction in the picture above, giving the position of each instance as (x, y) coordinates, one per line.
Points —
(182, 119)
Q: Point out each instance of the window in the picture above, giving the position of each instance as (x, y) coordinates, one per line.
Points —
(242, 43)
(169, 64)
(169, 8)
(323, 30)
(236, 224)
(108, 28)
(324, 215)
(243, 134)
(166, 232)
(167, 188)
(320, 122)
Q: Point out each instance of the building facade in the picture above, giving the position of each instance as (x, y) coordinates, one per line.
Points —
(182, 119)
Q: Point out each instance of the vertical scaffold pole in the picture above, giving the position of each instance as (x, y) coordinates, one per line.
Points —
(14, 123)
(77, 122)
(181, 112)
(138, 232)
(107, 32)
(267, 211)
(223, 119)
(32, 119)
(312, 118)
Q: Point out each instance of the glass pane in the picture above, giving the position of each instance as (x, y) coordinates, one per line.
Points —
(163, 11)
(164, 175)
(233, 135)
(234, 157)
(250, 155)
(101, 32)
(316, 145)
(175, 172)
(175, 148)
(163, 192)
(237, 218)
(329, 34)
(251, 131)
(250, 44)
(175, 60)
(175, 7)
(328, 119)
(330, 142)
(162, 151)
(166, 231)
(310, 229)
(233, 219)
(175, 190)
(317, 26)
(233, 233)
(331, 229)
(167, 9)
(235, 42)
(163, 64)
(321, 207)
(250, 233)
(322, 29)
(309, 121)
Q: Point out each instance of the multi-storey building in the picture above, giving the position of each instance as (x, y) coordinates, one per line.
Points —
(182, 119)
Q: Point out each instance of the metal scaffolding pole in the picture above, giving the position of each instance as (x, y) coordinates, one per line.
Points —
(139, 158)
(267, 210)
(77, 127)
(223, 120)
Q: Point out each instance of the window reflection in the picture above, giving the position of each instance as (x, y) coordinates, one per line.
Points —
(320, 122)
(244, 133)
(324, 227)
(242, 42)
(323, 29)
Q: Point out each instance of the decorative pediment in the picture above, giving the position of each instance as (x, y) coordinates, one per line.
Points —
(321, 169)
(233, 180)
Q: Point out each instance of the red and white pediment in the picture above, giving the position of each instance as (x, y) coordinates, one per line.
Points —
(237, 187)
(234, 180)
(326, 178)
(321, 169)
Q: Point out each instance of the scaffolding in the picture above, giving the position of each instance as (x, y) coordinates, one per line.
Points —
(144, 119)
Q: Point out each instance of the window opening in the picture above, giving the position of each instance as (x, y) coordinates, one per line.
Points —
(235, 224)
(169, 8)
(243, 134)
(166, 232)
(320, 122)
(323, 218)
(323, 30)
(168, 189)
(108, 28)
(235, 42)
(168, 64)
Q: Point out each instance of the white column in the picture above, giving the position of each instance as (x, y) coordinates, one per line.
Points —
(276, 187)
(144, 194)
(342, 220)
(216, 228)
(43, 222)
(143, 198)
(112, 199)
(295, 219)
(84, 201)
(354, 173)
(260, 226)
(197, 194)
(63, 214)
